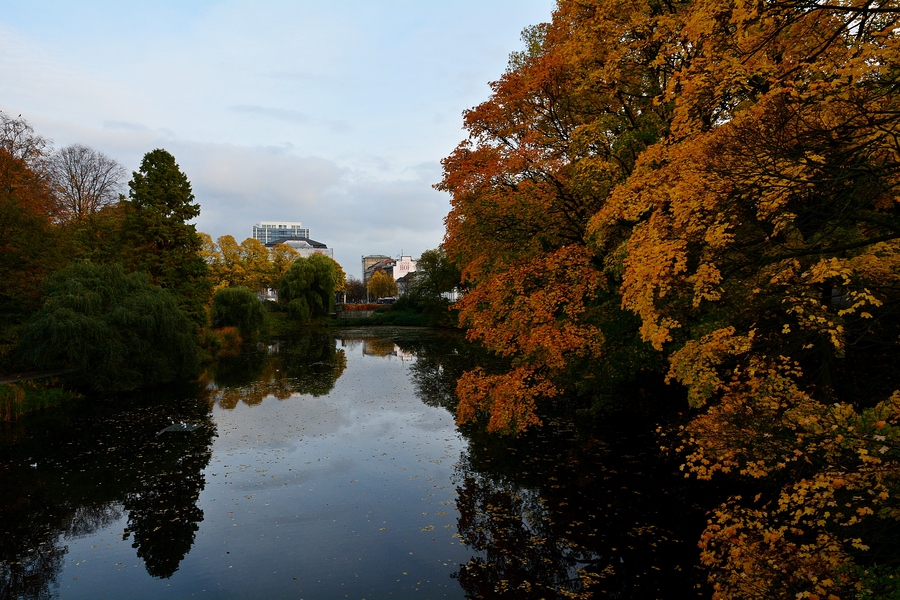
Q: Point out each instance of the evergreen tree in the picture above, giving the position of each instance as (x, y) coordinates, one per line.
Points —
(161, 241)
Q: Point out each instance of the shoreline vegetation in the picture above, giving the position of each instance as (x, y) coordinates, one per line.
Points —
(22, 392)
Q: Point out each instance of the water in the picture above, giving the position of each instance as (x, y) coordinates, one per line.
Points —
(330, 466)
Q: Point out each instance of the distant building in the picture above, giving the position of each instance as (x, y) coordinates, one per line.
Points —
(400, 269)
(268, 231)
(403, 267)
(369, 264)
(305, 246)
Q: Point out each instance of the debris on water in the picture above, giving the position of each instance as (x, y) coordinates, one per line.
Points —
(181, 426)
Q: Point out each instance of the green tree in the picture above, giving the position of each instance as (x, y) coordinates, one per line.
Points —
(238, 307)
(307, 287)
(96, 236)
(162, 242)
(381, 285)
(435, 275)
(118, 331)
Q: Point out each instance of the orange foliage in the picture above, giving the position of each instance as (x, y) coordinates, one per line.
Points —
(727, 171)
(563, 127)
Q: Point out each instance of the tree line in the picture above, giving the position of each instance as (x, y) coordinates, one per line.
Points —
(705, 191)
(122, 291)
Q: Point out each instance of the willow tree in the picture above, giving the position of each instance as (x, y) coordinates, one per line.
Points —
(307, 288)
(116, 330)
(238, 307)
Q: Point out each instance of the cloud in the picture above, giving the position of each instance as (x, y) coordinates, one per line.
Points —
(282, 114)
(125, 126)
(351, 212)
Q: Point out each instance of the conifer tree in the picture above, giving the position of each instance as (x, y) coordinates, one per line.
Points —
(161, 240)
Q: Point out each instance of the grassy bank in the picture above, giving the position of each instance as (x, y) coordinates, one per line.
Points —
(22, 397)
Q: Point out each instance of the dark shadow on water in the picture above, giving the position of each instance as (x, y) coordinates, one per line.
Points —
(572, 509)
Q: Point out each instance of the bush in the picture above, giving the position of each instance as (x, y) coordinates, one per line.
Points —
(117, 331)
(241, 308)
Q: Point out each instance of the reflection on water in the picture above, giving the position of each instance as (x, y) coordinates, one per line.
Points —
(576, 514)
(309, 364)
(328, 463)
(66, 475)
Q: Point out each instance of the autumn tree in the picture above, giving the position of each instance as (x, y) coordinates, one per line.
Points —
(18, 138)
(381, 285)
(28, 242)
(726, 172)
(248, 264)
(282, 256)
(563, 126)
(761, 255)
(84, 180)
(340, 278)
(161, 240)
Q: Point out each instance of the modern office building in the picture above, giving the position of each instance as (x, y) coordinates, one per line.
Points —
(269, 231)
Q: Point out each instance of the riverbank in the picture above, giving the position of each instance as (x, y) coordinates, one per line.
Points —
(23, 394)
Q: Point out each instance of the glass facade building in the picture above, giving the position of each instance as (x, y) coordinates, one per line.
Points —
(269, 231)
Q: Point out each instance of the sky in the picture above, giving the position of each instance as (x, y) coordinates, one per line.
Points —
(334, 113)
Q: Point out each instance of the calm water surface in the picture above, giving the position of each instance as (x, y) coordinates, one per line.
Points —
(330, 466)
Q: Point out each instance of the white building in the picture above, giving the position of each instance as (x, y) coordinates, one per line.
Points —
(404, 266)
(305, 246)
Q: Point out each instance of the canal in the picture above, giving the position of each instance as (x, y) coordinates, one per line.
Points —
(329, 465)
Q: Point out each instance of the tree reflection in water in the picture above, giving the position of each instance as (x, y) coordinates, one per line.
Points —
(570, 509)
(565, 509)
(71, 472)
(309, 364)
(564, 512)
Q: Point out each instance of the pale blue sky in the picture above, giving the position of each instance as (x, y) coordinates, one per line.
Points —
(336, 114)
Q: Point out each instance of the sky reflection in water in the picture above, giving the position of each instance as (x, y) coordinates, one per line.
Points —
(329, 467)
(317, 495)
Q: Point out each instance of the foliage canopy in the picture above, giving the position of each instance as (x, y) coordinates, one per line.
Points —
(381, 285)
(161, 241)
(705, 190)
(118, 331)
(238, 307)
(308, 287)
